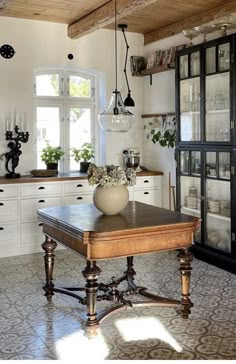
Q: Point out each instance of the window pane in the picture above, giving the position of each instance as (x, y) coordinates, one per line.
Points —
(47, 119)
(47, 85)
(195, 63)
(223, 57)
(79, 86)
(80, 130)
(211, 60)
(183, 71)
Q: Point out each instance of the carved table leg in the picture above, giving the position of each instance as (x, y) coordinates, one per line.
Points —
(91, 273)
(49, 246)
(185, 258)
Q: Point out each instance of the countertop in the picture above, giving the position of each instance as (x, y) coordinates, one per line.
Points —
(64, 177)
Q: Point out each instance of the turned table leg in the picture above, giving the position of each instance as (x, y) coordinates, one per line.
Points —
(91, 273)
(185, 258)
(49, 246)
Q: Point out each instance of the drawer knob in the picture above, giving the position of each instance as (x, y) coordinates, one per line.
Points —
(1, 204)
(146, 193)
(1, 228)
(41, 188)
(40, 201)
(146, 181)
(1, 190)
(79, 185)
(79, 198)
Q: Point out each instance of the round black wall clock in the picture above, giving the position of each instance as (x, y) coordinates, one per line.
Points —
(7, 51)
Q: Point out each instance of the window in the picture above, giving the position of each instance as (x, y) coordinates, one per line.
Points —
(64, 103)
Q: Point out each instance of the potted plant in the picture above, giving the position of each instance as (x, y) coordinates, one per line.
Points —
(83, 155)
(51, 156)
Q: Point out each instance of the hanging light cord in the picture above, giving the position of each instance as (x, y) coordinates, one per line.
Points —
(126, 58)
(116, 108)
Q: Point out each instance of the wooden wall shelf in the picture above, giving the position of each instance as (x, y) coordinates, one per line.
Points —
(144, 116)
(152, 71)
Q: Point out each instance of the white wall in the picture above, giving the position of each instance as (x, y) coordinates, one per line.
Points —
(43, 44)
(160, 97)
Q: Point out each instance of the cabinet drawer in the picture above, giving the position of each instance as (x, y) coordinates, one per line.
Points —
(146, 182)
(151, 197)
(8, 211)
(78, 199)
(77, 187)
(30, 206)
(31, 233)
(40, 189)
(8, 191)
(8, 234)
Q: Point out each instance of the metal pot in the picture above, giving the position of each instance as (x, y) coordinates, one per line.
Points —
(132, 161)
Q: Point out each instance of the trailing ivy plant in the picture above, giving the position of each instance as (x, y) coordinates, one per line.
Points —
(166, 137)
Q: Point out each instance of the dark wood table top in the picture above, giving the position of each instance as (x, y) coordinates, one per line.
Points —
(136, 224)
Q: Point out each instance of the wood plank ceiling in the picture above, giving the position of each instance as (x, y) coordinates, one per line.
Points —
(156, 19)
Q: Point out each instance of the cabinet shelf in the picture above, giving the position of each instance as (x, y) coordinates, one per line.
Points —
(218, 216)
(187, 113)
(222, 111)
(195, 211)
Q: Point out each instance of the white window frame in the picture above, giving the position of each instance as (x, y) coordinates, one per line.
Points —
(64, 102)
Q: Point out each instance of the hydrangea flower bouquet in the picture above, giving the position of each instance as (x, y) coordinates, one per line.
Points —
(107, 176)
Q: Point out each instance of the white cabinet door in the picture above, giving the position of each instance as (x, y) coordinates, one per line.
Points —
(8, 234)
(8, 210)
(78, 187)
(8, 191)
(78, 199)
(150, 197)
(147, 182)
(41, 189)
(30, 206)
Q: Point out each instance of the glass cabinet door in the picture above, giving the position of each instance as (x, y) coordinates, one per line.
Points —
(217, 94)
(217, 199)
(190, 109)
(189, 73)
(190, 186)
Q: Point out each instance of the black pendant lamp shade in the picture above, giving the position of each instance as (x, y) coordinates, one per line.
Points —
(128, 101)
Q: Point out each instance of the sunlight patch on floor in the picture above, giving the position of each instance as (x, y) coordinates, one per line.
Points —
(145, 328)
(82, 347)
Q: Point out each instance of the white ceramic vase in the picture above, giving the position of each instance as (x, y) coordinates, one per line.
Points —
(110, 200)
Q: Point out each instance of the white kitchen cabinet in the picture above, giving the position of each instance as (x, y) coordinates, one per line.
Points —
(21, 233)
(151, 197)
(30, 206)
(148, 190)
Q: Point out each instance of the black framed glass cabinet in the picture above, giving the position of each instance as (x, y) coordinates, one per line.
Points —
(206, 146)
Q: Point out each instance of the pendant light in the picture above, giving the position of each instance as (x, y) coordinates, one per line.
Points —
(128, 101)
(116, 118)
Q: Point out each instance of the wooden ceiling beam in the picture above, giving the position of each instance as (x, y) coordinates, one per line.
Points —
(188, 23)
(104, 16)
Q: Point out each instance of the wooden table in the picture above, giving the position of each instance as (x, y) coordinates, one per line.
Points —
(139, 229)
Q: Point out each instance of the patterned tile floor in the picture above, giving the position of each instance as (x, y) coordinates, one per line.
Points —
(32, 329)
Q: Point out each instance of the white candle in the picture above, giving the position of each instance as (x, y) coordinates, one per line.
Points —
(14, 117)
(25, 122)
(20, 124)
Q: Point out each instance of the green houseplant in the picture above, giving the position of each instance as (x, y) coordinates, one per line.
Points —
(51, 156)
(83, 155)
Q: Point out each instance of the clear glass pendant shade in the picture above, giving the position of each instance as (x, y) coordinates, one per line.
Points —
(116, 118)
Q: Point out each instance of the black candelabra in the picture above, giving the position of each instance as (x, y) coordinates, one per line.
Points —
(12, 158)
